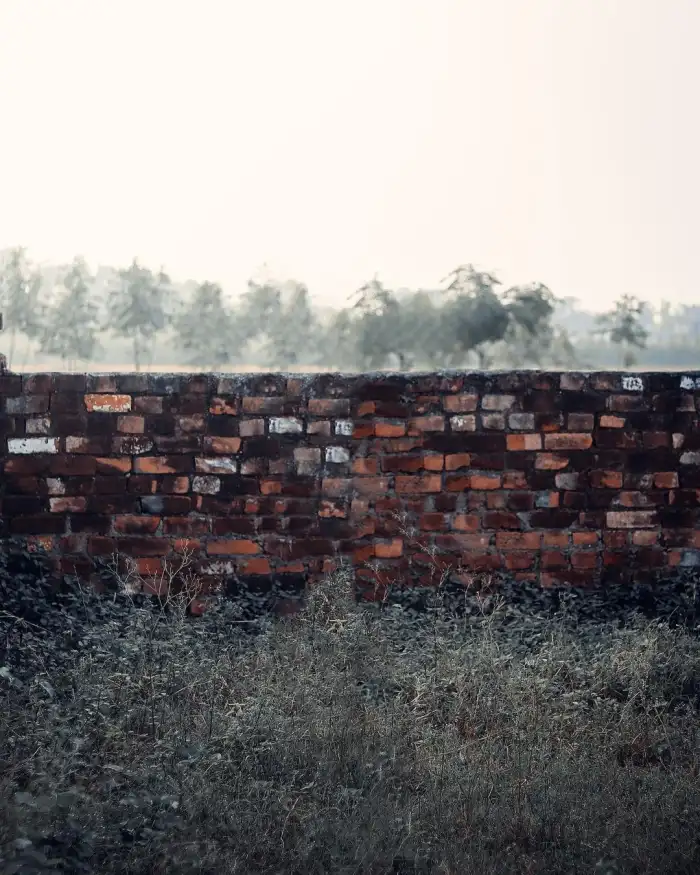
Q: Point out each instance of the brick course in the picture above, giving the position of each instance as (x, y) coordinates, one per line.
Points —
(568, 477)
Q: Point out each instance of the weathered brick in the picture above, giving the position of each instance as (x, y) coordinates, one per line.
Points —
(568, 441)
(131, 424)
(460, 403)
(224, 446)
(550, 462)
(463, 423)
(424, 483)
(518, 442)
(108, 403)
(330, 406)
(631, 519)
(497, 402)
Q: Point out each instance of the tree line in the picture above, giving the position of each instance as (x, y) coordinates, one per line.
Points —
(469, 320)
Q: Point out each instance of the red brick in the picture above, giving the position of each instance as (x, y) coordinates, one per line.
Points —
(232, 548)
(151, 404)
(518, 442)
(108, 403)
(519, 561)
(666, 480)
(251, 427)
(456, 461)
(501, 520)
(645, 538)
(553, 559)
(550, 462)
(653, 440)
(580, 422)
(485, 481)
(555, 539)
(585, 539)
(131, 424)
(425, 483)
(389, 429)
(329, 407)
(514, 480)
(68, 504)
(568, 441)
(391, 550)
(222, 445)
(460, 403)
(426, 423)
(606, 479)
(136, 524)
(111, 465)
(518, 540)
(369, 485)
(608, 421)
(157, 465)
(223, 406)
(584, 560)
(465, 522)
(335, 486)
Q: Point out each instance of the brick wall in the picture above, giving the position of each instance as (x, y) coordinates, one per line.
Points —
(556, 477)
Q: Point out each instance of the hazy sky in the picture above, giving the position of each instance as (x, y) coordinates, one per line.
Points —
(549, 140)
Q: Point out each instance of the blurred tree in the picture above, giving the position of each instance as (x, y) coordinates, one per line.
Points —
(20, 288)
(381, 336)
(474, 317)
(260, 308)
(623, 327)
(138, 307)
(73, 320)
(338, 341)
(291, 331)
(205, 328)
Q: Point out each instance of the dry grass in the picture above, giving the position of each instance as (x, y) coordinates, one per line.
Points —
(340, 740)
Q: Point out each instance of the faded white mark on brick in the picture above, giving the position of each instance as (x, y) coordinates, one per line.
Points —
(218, 569)
(56, 486)
(690, 459)
(522, 421)
(206, 485)
(337, 454)
(497, 402)
(285, 425)
(108, 403)
(219, 465)
(38, 425)
(678, 440)
(463, 423)
(690, 383)
(633, 384)
(344, 427)
(26, 446)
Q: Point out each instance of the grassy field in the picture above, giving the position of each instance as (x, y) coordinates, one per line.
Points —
(351, 739)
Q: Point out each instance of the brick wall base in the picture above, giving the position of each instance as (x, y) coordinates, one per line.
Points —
(550, 477)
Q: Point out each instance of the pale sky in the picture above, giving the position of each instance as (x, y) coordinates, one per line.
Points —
(546, 140)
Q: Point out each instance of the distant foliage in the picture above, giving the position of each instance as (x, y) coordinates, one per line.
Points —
(469, 320)
(137, 308)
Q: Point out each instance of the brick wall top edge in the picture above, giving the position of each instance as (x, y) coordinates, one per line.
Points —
(312, 375)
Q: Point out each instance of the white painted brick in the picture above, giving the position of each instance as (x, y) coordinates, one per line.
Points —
(285, 425)
(633, 384)
(26, 446)
(344, 427)
(690, 459)
(690, 383)
(337, 454)
(206, 485)
(219, 465)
